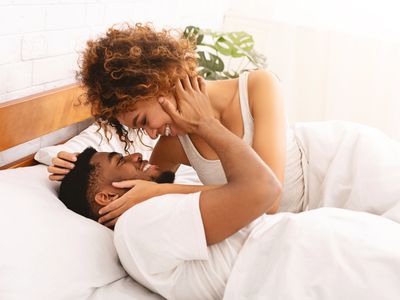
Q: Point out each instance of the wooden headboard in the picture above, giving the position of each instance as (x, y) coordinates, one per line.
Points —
(31, 117)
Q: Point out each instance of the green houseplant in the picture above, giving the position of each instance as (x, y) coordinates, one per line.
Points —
(223, 55)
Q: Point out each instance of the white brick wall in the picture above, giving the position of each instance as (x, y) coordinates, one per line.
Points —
(40, 39)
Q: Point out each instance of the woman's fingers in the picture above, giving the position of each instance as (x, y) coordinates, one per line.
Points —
(57, 174)
(59, 162)
(114, 205)
(126, 184)
(62, 164)
(111, 215)
(56, 177)
(57, 170)
(112, 223)
(67, 156)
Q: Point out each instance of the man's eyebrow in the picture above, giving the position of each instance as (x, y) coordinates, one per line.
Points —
(111, 155)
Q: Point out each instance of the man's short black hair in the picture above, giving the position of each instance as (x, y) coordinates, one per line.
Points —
(76, 185)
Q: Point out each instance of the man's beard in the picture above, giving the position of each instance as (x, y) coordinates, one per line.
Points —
(165, 177)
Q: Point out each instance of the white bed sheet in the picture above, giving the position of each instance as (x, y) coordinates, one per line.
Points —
(326, 253)
(124, 289)
(352, 166)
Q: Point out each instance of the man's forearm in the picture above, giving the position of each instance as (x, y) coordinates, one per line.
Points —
(172, 188)
(251, 188)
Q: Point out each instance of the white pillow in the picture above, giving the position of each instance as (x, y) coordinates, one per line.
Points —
(90, 137)
(48, 251)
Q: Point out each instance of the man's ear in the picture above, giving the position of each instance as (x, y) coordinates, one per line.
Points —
(105, 198)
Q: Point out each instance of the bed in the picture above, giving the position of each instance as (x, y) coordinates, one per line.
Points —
(49, 252)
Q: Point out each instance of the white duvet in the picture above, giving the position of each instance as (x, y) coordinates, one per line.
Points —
(350, 166)
(331, 253)
(323, 254)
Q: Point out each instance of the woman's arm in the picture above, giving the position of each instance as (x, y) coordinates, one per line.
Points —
(267, 108)
(141, 190)
(168, 154)
(172, 188)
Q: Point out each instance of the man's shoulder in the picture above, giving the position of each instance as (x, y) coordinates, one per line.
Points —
(160, 205)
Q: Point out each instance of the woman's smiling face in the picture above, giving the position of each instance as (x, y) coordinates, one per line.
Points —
(151, 117)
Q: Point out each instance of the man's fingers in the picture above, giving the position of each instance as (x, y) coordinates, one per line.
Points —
(186, 83)
(126, 184)
(194, 83)
(169, 108)
(202, 84)
(179, 89)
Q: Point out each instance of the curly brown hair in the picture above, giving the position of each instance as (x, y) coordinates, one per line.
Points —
(132, 63)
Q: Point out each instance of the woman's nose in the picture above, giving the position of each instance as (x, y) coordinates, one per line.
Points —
(152, 133)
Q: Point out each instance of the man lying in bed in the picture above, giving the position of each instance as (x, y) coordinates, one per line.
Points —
(181, 246)
(186, 246)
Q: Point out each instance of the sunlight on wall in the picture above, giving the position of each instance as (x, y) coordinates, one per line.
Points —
(336, 59)
(373, 18)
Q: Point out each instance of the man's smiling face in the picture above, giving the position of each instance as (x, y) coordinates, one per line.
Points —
(116, 167)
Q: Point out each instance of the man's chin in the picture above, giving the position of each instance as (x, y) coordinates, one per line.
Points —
(165, 177)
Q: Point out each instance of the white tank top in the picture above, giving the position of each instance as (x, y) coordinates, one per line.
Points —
(212, 172)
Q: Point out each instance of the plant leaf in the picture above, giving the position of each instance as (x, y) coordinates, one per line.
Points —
(235, 44)
(193, 34)
(212, 62)
(236, 48)
(242, 40)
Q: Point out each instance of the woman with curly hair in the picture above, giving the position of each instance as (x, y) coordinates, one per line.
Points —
(126, 74)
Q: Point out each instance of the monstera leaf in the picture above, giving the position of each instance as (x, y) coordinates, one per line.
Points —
(235, 44)
(193, 34)
(210, 66)
(224, 55)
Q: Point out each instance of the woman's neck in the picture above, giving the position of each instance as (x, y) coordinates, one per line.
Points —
(221, 94)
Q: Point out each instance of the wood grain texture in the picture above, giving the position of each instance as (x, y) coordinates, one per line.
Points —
(23, 162)
(34, 116)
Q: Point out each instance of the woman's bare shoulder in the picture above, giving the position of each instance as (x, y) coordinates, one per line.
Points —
(262, 84)
(261, 78)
